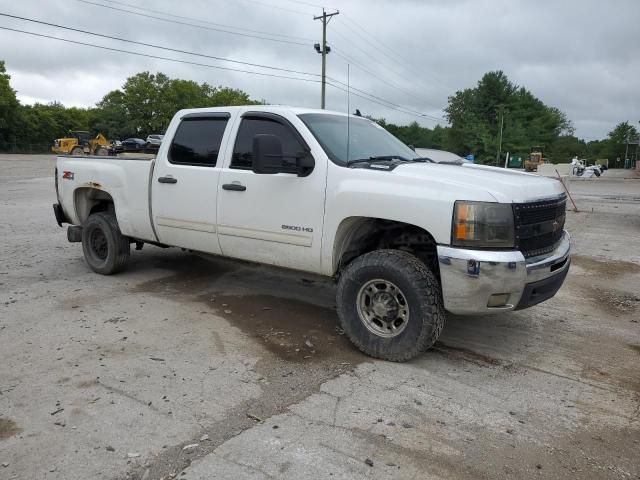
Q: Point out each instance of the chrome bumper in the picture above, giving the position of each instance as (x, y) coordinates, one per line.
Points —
(470, 277)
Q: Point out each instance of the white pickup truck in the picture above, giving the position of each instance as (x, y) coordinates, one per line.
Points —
(406, 238)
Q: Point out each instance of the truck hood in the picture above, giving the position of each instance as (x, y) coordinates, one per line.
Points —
(506, 186)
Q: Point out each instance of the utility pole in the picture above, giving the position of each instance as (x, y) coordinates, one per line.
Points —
(500, 140)
(325, 17)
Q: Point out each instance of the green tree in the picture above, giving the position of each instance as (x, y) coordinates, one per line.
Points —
(147, 102)
(8, 106)
(477, 114)
(110, 116)
(413, 134)
(565, 147)
(617, 144)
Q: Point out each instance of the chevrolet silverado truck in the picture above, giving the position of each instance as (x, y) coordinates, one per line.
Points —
(406, 238)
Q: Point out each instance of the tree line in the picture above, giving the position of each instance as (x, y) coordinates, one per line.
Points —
(495, 114)
(144, 105)
(477, 115)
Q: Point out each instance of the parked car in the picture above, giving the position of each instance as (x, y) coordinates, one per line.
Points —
(116, 146)
(133, 144)
(155, 140)
(405, 238)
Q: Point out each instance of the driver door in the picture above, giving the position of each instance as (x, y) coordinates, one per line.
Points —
(270, 218)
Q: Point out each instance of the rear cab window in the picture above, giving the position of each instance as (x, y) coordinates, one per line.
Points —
(197, 139)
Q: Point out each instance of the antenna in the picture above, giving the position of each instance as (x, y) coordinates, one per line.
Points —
(348, 114)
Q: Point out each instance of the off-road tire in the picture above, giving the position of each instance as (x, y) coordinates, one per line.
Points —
(423, 295)
(77, 151)
(101, 230)
(101, 151)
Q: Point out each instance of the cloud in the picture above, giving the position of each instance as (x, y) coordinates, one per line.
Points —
(580, 56)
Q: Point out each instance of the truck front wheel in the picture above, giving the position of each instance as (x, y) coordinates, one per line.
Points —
(390, 305)
(105, 249)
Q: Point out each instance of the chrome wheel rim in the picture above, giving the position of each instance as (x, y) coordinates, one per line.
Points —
(383, 308)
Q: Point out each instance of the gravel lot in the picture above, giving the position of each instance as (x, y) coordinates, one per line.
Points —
(206, 368)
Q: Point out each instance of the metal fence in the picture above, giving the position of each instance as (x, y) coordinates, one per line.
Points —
(8, 147)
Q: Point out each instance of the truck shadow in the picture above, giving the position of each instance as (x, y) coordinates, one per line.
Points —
(293, 314)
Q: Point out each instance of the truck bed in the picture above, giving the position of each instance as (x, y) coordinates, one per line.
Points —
(128, 180)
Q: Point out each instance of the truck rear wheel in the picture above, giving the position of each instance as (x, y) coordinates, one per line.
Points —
(105, 249)
(390, 305)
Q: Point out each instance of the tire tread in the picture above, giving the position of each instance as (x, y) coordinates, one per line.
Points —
(426, 284)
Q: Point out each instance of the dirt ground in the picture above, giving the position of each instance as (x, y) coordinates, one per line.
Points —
(202, 368)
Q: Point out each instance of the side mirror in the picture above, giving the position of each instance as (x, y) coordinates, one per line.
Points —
(305, 165)
(267, 154)
(269, 159)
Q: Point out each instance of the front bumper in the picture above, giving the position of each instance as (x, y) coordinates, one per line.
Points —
(472, 280)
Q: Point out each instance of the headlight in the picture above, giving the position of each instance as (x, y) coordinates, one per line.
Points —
(482, 224)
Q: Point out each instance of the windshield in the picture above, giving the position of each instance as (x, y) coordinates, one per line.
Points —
(366, 138)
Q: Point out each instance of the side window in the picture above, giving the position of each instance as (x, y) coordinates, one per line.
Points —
(250, 127)
(197, 141)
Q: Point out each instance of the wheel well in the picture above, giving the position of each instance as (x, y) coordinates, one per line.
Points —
(359, 235)
(91, 200)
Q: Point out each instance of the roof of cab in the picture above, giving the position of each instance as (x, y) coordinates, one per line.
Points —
(262, 108)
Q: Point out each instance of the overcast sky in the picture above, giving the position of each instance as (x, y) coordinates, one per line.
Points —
(582, 56)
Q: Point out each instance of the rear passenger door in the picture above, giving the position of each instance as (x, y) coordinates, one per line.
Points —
(185, 182)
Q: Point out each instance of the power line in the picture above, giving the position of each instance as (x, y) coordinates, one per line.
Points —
(391, 106)
(195, 54)
(376, 40)
(386, 103)
(380, 51)
(377, 77)
(169, 14)
(187, 62)
(300, 2)
(374, 75)
(375, 60)
(215, 29)
(408, 63)
(352, 90)
(277, 7)
(120, 39)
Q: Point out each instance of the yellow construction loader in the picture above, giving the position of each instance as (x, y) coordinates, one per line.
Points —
(535, 158)
(81, 143)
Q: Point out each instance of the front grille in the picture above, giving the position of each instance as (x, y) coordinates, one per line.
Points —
(539, 225)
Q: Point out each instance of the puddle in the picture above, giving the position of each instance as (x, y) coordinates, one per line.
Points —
(267, 304)
(291, 329)
(607, 268)
(8, 428)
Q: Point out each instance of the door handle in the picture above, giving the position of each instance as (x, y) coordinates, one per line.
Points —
(167, 180)
(236, 187)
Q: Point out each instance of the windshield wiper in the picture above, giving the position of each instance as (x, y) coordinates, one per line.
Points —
(377, 159)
